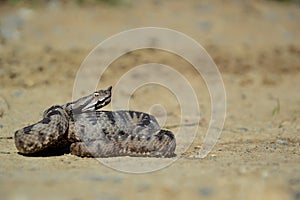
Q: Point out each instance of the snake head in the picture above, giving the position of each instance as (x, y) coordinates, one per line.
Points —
(91, 102)
(98, 100)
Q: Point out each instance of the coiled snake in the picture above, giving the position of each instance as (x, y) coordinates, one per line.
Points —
(90, 133)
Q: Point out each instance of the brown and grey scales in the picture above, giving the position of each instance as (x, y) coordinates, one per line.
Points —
(90, 133)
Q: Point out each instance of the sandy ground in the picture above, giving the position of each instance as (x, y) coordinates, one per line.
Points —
(256, 47)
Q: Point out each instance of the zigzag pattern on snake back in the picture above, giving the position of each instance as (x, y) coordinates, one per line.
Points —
(90, 133)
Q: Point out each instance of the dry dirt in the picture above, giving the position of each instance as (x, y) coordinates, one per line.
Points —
(256, 47)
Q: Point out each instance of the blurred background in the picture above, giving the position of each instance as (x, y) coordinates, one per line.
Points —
(256, 47)
(239, 35)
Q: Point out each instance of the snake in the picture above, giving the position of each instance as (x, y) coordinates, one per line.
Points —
(86, 131)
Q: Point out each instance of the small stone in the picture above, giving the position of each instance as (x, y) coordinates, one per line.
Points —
(18, 93)
(1, 126)
(274, 147)
(197, 147)
(206, 191)
(247, 150)
(282, 142)
(242, 129)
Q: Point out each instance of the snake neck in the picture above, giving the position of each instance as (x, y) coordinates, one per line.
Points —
(91, 102)
(56, 110)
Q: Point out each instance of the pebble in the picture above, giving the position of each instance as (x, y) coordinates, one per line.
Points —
(206, 191)
(1, 126)
(282, 142)
(18, 93)
(274, 147)
(247, 150)
(242, 129)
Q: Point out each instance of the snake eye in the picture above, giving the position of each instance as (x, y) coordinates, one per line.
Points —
(96, 94)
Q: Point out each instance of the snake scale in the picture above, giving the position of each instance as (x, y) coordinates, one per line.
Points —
(87, 132)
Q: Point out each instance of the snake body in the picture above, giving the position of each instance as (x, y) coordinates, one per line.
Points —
(90, 133)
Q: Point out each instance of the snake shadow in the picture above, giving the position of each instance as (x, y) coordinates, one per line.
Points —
(48, 153)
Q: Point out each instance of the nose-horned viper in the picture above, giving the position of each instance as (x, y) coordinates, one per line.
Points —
(87, 132)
